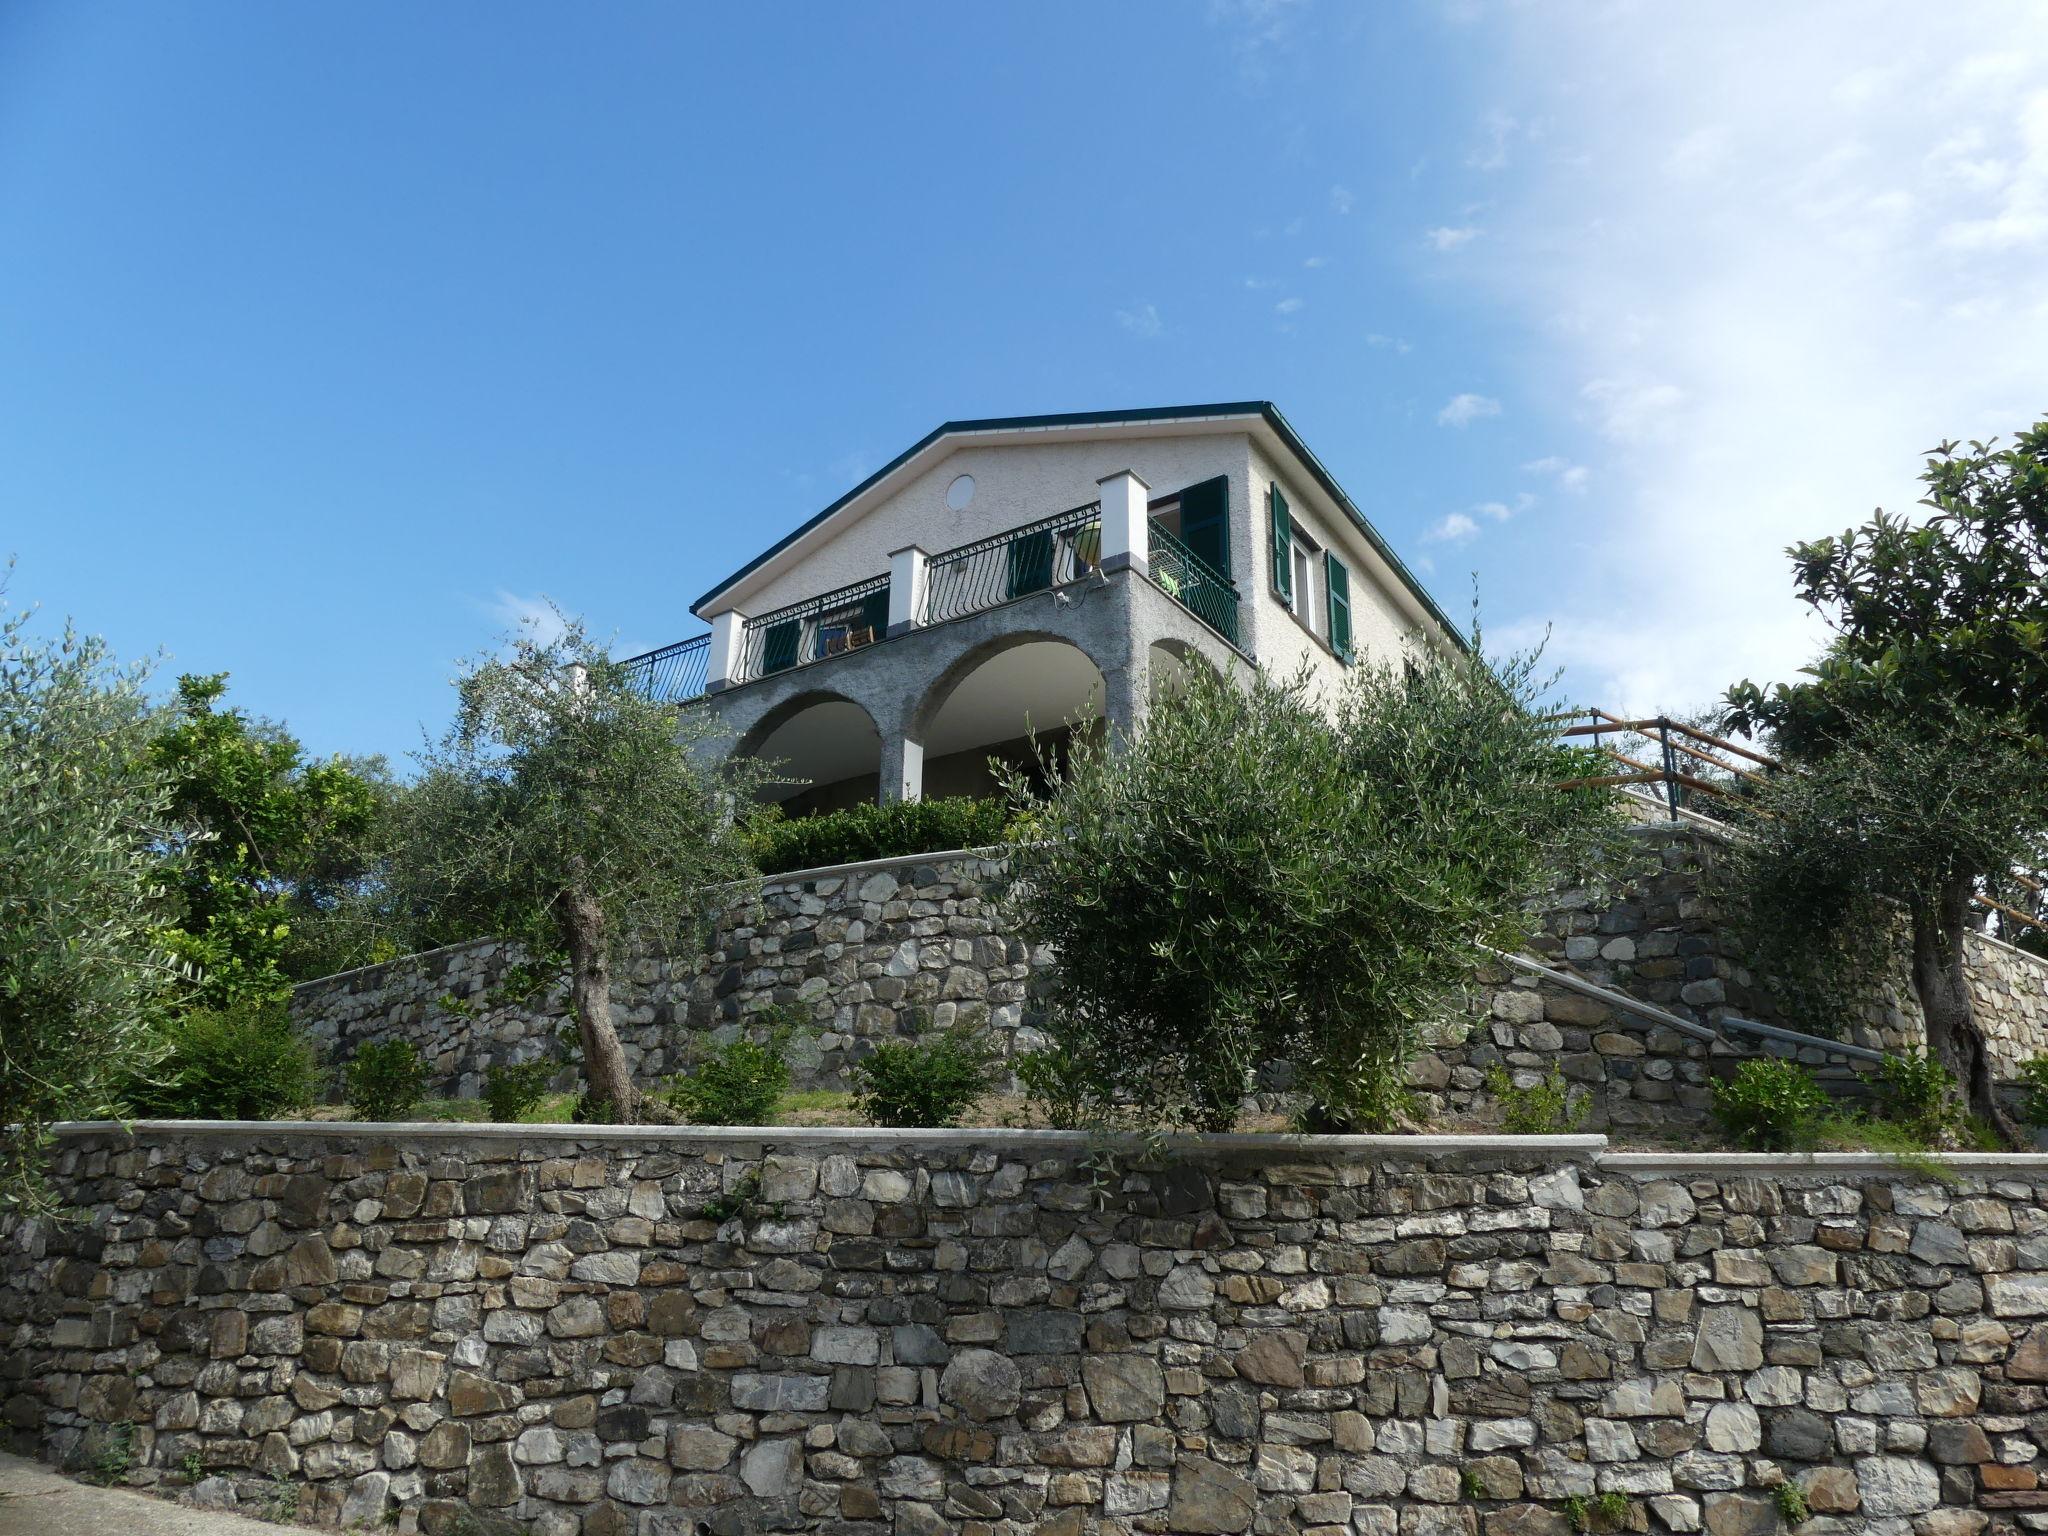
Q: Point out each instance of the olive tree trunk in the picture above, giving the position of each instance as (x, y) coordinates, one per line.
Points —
(608, 1082)
(1940, 981)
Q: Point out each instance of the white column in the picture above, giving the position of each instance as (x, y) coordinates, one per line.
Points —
(907, 569)
(722, 666)
(1126, 532)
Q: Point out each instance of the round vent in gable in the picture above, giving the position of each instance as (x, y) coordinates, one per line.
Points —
(959, 493)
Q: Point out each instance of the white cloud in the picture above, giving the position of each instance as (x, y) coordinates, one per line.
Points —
(1312, 262)
(1142, 321)
(1463, 410)
(1569, 476)
(531, 614)
(1769, 255)
(1287, 307)
(1633, 410)
(1258, 283)
(1341, 200)
(1383, 343)
(1446, 239)
(1496, 129)
(1454, 528)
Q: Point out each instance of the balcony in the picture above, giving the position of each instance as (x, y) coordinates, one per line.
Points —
(1018, 563)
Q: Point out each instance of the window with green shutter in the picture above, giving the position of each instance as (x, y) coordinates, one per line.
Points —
(1337, 583)
(778, 646)
(1030, 563)
(1283, 546)
(1205, 523)
(874, 612)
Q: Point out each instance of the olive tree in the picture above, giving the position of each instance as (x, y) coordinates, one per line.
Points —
(565, 808)
(1264, 874)
(1919, 733)
(82, 818)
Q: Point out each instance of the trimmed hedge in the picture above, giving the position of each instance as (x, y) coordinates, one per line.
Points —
(876, 832)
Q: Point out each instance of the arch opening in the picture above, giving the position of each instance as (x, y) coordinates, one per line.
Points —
(993, 708)
(825, 755)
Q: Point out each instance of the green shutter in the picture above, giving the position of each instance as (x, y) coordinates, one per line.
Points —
(1030, 563)
(1283, 546)
(778, 646)
(1205, 523)
(1339, 584)
(874, 611)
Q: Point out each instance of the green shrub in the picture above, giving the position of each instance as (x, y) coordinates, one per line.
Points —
(1772, 1105)
(1542, 1109)
(736, 1084)
(1918, 1094)
(243, 1062)
(512, 1091)
(876, 832)
(930, 1080)
(386, 1080)
(1060, 1085)
(1269, 873)
(2034, 1090)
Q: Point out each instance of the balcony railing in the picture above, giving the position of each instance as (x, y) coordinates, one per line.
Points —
(840, 621)
(1193, 583)
(675, 674)
(988, 573)
(1012, 564)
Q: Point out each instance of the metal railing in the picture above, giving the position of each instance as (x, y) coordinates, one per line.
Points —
(1193, 583)
(828, 625)
(1702, 775)
(675, 674)
(1012, 564)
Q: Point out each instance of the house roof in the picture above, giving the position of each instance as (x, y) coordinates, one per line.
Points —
(1259, 410)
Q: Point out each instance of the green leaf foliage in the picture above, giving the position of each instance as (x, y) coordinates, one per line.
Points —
(876, 832)
(242, 1062)
(386, 1080)
(737, 1083)
(929, 1080)
(82, 814)
(1770, 1105)
(1921, 735)
(513, 1092)
(269, 845)
(1266, 874)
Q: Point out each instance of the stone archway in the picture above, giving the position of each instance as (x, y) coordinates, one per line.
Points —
(827, 752)
(1011, 699)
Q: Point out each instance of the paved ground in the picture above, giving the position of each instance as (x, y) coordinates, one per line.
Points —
(34, 1501)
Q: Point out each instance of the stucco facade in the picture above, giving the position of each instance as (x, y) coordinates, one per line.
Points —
(833, 654)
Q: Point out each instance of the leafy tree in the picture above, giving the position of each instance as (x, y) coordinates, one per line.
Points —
(1254, 880)
(266, 840)
(1920, 733)
(81, 814)
(565, 808)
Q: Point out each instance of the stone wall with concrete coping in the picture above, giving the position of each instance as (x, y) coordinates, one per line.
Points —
(865, 952)
(634, 1332)
(857, 952)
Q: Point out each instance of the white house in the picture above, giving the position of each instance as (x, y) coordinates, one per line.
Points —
(1036, 574)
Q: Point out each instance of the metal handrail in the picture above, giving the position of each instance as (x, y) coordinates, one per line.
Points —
(1014, 563)
(1675, 739)
(1692, 1027)
(1193, 583)
(673, 674)
(797, 635)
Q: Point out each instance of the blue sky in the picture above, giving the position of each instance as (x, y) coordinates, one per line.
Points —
(333, 338)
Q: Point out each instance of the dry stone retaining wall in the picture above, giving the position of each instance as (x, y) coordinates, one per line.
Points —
(863, 953)
(634, 1333)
